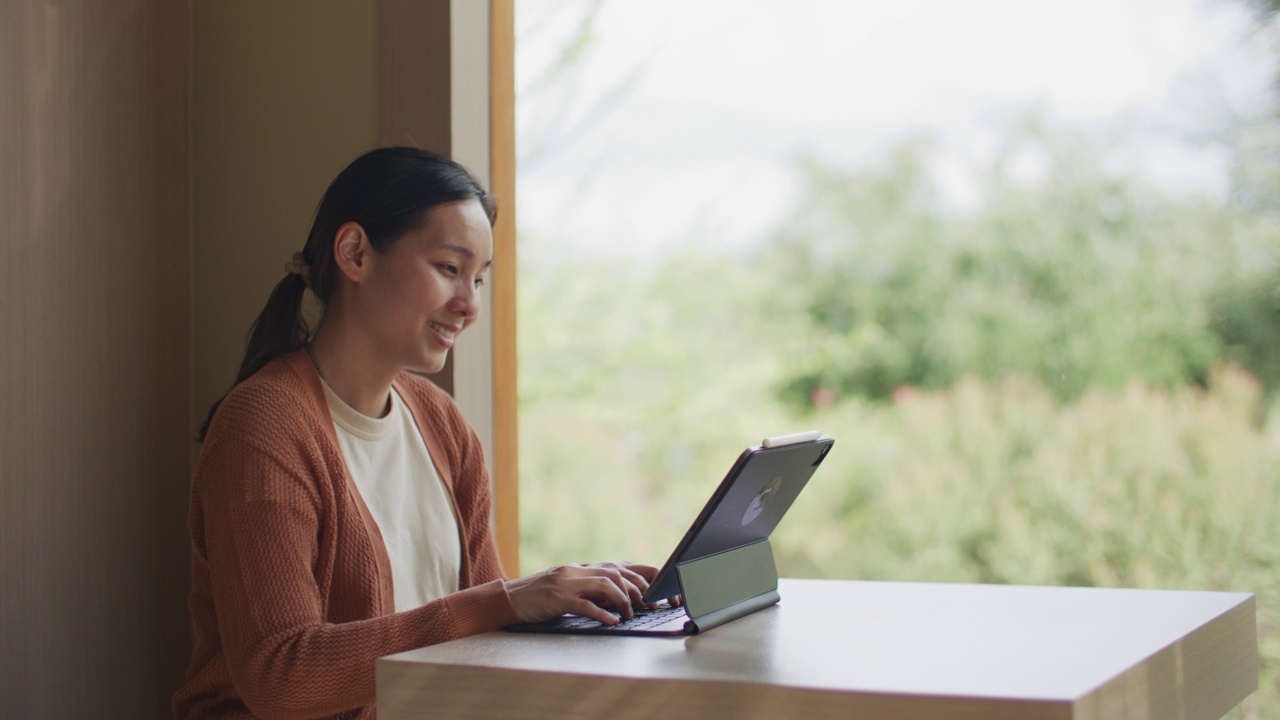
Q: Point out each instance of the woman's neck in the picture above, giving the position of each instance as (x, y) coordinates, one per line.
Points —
(360, 381)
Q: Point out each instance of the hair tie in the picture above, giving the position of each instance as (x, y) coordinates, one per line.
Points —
(297, 265)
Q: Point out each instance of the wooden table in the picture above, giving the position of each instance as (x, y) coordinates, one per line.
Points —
(872, 650)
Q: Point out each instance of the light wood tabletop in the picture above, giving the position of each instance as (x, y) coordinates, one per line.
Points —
(868, 650)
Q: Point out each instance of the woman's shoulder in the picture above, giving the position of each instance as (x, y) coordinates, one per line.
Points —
(436, 411)
(427, 395)
(267, 438)
(276, 397)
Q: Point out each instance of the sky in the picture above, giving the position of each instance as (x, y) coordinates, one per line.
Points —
(682, 120)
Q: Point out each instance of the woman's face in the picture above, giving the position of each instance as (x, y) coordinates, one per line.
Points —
(425, 289)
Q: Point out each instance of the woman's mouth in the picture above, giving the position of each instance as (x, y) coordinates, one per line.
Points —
(446, 333)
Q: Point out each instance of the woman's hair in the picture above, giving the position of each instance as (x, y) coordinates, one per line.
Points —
(388, 192)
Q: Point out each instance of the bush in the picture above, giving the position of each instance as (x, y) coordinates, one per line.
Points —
(999, 483)
(986, 482)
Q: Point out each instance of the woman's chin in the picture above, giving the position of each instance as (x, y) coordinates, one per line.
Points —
(432, 364)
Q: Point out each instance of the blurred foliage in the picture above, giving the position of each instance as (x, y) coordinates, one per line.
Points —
(1069, 378)
(984, 482)
(1062, 270)
(1001, 483)
(1245, 308)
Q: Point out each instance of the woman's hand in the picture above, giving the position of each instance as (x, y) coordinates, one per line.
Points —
(582, 590)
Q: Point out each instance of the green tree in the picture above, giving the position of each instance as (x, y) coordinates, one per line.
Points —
(1245, 308)
(1067, 272)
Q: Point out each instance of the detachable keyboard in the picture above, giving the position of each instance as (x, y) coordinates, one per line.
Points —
(662, 620)
(643, 618)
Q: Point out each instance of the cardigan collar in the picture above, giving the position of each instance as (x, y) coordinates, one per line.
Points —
(300, 361)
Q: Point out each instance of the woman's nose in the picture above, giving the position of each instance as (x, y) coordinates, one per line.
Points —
(466, 300)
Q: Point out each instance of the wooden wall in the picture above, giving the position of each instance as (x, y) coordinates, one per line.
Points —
(286, 95)
(159, 162)
(95, 356)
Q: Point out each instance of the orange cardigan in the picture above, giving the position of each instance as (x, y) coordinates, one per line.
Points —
(291, 597)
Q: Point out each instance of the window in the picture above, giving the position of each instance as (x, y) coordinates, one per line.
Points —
(1017, 258)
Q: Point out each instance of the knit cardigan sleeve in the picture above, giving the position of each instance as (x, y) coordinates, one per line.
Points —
(298, 607)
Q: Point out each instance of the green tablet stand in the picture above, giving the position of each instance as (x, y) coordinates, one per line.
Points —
(728, 585)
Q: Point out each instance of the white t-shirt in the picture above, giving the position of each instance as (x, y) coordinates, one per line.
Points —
(390, 463)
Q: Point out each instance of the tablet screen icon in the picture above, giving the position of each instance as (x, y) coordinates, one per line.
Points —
(761, 499)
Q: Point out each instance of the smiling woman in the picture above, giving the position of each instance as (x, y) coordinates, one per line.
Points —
(406, 304)
(377, 199)
(340, 510)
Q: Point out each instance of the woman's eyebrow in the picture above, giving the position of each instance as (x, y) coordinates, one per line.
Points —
(464, 251)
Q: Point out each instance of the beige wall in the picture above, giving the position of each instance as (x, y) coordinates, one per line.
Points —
(159, 162)
(94, 356)
(434, 92)
(286, 94)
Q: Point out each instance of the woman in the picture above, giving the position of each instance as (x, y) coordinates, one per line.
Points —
(340, 510)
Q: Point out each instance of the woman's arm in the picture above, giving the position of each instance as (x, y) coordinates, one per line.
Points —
(266, 537)
(581, 589)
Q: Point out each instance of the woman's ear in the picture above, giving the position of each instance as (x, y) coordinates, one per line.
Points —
(351, 251)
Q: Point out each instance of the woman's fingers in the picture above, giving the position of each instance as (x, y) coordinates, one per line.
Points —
(634, 585)
(648, 572)
(628, 582)
(586, 608)
(638, 576)
(608, 593)
(572, 588)
(636, 579)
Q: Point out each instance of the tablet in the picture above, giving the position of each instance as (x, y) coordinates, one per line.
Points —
(748, 504)
(723, 566)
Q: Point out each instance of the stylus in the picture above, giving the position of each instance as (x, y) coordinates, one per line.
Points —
(792, 439)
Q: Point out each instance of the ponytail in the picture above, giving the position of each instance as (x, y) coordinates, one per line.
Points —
(388, 192)
(278, 331)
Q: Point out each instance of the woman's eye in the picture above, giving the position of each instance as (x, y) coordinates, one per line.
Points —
(455, 271)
